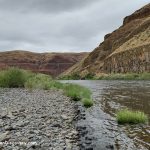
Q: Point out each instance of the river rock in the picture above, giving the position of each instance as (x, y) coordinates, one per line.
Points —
(43, 117)
(4, 136)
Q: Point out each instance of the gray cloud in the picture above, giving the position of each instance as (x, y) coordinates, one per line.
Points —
(60, 25)
(47, 6)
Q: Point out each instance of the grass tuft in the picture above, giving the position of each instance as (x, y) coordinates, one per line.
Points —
(77, 92)
(13, 78)
(38, 81)
(87, 102)
(131, 117)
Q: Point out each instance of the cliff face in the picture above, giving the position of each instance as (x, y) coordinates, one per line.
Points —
(127, 49)
(48, 63)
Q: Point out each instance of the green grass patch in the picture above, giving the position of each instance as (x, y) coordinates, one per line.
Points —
(127, 76)
(13, 78)
(112, 76)
(131, 117)
(87, 102)
(76, 91)
(38, 81)
(74, 76)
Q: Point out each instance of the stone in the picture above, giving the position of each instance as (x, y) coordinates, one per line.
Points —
(65, 117)
(44, 122)
(4, 136)
(22, 123)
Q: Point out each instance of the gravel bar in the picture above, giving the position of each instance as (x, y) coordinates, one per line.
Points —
(37, 119)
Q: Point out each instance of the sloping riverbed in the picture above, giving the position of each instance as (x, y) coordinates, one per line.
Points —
(98, 127)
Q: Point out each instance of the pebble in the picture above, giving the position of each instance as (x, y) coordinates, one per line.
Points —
(4, 136)
(41, 119)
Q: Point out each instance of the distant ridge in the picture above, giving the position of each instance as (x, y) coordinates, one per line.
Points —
(48, 63)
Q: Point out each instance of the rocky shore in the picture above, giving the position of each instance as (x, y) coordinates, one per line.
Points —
(37, 120)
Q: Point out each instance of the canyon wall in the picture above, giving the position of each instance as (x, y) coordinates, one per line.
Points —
(126, 49)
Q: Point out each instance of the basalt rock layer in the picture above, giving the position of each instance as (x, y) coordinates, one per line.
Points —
(126, 49)
(48, 63)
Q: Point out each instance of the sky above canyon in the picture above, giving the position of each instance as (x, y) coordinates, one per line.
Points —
(60, 25)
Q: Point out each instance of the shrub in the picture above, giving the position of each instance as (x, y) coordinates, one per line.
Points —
(131, 117)
(73, 76)
(12, 78)
(76, 92)
(87, 102)
(39, 81)
(144, 76)
(89, 76)
(58, 85)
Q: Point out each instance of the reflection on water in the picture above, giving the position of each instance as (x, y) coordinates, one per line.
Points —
(135, 96)
(110, 96)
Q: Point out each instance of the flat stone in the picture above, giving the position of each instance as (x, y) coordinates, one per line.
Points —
(22, 123)
(64, 117)
(4, 136)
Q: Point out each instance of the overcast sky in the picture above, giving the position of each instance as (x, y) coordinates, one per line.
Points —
(60, 25)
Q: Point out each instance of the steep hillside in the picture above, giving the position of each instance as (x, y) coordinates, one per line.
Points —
(48, 63)
(127, 49)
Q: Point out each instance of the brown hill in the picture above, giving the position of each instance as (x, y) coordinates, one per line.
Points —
(48, 63)
(127, 49)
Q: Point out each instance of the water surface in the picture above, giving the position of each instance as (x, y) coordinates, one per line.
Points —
(109, 97)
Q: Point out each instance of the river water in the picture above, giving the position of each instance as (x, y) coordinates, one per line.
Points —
(102, 130)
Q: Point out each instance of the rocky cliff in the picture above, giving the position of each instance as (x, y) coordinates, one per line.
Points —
(126, 49)
(48, 63)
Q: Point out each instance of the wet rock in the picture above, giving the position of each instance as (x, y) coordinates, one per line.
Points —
(110, 147)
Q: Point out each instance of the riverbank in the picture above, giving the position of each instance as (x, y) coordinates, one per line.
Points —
(18, 78)
(37, 120)
(112, 76)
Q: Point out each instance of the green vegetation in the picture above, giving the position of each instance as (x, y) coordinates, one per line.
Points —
(73, 76)
(89, 76)
(87, 102)
(77, 92)
(76, 76)
(15, 78)
(112, 76)
(127, 76)
(131, 117)
(39, 81)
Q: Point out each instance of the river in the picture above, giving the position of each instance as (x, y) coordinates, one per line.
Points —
(99, 122)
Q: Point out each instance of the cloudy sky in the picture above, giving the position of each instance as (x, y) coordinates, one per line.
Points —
(60, 25)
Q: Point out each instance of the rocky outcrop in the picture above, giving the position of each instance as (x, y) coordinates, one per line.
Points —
(126, 49)
(136, 60)
(48, 63)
